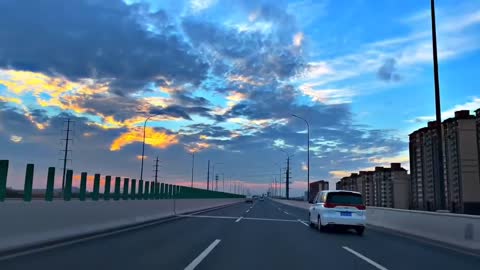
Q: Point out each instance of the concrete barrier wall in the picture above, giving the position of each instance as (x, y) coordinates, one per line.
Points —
(24, 224)
(454, 229)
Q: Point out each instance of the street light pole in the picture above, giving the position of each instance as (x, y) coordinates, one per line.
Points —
(308, 154)
(440, 184)
(143, 145)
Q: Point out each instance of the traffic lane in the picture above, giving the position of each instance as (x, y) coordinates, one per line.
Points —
(170, 245)
(235, 210)
(265, 209)
(282, 244)
(397, 251)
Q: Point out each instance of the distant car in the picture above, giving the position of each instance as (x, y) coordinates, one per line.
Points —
(262, 198)
(338, 208)
(249, 199)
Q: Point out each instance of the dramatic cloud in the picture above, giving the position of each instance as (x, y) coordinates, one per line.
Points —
(388, 71)
(157, 139)
(104, 40)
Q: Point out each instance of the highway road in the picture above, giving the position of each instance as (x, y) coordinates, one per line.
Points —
(263, 235)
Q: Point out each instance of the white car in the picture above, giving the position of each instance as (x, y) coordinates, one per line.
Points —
(338, 208)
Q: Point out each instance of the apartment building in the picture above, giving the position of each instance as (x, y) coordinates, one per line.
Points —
(317, 186)
(461, 156)
(424, 172)
(384, 187)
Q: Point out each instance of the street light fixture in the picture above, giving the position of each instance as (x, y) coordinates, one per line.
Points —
(308, 154)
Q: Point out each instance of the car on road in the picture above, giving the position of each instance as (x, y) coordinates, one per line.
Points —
(338, 208)
(262, 198)
(249, 199)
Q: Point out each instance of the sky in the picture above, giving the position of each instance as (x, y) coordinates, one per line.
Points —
(221, 79)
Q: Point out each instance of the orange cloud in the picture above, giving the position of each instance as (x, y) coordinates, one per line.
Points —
(154, 138)
(243, 79)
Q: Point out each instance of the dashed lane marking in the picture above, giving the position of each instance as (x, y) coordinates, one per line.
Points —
(202, 255)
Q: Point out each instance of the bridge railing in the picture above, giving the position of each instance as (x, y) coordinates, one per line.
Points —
(113, 188)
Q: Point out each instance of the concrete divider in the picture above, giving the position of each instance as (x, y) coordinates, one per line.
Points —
(454, 229)
(23, 224)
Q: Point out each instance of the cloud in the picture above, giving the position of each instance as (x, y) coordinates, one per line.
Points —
(388, 71)
(472, 105)
(67, 43)
(157, 139)
(200, 5)
(298, 39)
(16, 139)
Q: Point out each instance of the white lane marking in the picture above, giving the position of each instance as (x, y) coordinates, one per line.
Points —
(378, 266)
(248, 210)
(202, 255)
(269, 219)
(286, 212)
(202, 216)
(238, 218)
(303, 222)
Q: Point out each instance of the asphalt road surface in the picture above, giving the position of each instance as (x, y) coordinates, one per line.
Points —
(263, 235)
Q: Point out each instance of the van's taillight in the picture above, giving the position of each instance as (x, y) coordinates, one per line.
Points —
(361, 207)
(329, 205)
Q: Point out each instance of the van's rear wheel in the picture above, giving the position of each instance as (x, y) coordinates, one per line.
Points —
(312, 225)
(360, 230)
(319, 225)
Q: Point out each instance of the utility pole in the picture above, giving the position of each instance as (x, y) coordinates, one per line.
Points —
(208, 175)
(440, 191)
(156, 170)
(65, 157)
(287, 182)
(193, 165)
(223, 182)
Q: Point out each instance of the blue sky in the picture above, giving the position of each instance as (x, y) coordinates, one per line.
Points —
(224, 78)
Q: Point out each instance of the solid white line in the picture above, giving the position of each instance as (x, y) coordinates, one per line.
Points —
(238, 219)
(304, 223)
(378, 266)
(202, 255)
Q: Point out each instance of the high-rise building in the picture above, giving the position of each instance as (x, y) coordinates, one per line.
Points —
(460, 165)
(384, 187)
(317, 186)
(461, 157)
(424, 173)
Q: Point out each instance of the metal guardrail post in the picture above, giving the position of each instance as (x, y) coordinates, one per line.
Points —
(50, 184)
(140, 189)
(118, 181)
(106, 193)
(125, 188)
(152, 190)
(96, 187)
(67, 192)
(133, 189)
(83, 186)
(147, 190)
(3, 179)
(27, 189)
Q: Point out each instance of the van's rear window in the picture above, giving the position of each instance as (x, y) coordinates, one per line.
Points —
(344, 198)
